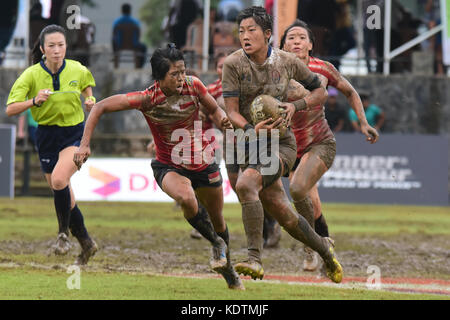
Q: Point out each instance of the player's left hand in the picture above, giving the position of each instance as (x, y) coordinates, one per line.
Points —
(370, 133)
(289, 110)
(81, 155)
(226, 123)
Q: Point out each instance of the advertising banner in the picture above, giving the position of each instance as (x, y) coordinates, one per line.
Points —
(126, 179)
(398, 169)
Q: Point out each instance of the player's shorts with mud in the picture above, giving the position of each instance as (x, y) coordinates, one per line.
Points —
(230, 159)
(325, 150)
(287, 154)
(51, 140)
(209, 177)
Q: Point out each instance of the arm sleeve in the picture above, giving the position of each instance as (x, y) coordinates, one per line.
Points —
(306, 77)
(230, 80)
(136, 99)
(21, 88)
(88, 79)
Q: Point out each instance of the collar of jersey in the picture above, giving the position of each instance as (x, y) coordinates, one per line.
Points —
(269, 52)
(55, 77)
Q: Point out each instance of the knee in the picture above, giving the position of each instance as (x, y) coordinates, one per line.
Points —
(298, 191)
(246, 191)
(59, 183)
(186, 199)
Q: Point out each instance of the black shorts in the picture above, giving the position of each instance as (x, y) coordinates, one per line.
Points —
(209, 177)
(51, 140)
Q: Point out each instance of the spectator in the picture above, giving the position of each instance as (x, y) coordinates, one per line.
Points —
(433, 18)
(321, 17)
(182, 14)
(375, 116)
(334, 113)
(37, 23)
(342, 38)
(126, 33)
(27, 125)
(8, 17)
(81, 46)
(229, 9)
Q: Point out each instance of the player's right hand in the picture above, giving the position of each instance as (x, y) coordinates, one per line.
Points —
(81, 155)
(269, 124)
(370, 133)
(42, 96)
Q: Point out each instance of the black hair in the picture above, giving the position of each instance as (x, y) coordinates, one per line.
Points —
(36, 53)
(302, 24)
(126, 9)
(259, 14)
(162, 58)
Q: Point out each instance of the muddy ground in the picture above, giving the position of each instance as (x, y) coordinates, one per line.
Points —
(410, 255)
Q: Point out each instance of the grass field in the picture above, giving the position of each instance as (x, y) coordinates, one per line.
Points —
(146, 253)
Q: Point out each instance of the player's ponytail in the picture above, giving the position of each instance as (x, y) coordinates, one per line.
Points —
(36, 53)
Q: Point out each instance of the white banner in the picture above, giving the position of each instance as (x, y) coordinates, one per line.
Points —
(126, 179)
(445, 20)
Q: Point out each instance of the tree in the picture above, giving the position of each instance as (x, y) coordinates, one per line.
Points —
(152, 13)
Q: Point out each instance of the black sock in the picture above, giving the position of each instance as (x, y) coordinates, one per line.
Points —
(225, 236)
(62, 206)
(202, 224)
(76, 225)
(321, 227)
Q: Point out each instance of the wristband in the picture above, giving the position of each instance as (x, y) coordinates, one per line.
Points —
(300, 105)
(92, 98)
(34, 103)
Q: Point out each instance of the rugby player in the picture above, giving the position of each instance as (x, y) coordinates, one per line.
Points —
(257, 69)
(171, 104)
(316, 145)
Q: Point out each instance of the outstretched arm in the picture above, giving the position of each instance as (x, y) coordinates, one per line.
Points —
(111, 104)
(353, 98)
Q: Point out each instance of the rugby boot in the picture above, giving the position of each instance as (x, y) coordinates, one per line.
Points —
(333, 267)
(88, 250)
(219, 259)
(62, 245)
(311, 262)
(232, 278)
(250, 268)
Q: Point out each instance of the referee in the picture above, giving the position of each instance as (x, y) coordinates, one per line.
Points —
(51, 88)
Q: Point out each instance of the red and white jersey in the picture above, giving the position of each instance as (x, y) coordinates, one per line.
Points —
(165, 115)
(215, 89)
(310, 126)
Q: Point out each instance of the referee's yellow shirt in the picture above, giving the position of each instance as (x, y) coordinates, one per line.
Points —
(63, 108)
